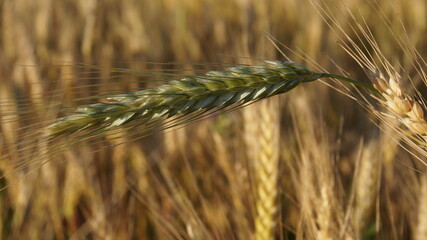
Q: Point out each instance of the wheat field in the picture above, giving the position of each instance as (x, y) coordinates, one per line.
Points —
(327, 159)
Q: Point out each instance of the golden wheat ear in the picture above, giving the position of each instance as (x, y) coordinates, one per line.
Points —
(399, 102)
(216, 90)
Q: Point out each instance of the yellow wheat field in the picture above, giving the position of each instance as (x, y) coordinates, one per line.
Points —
(327, 160)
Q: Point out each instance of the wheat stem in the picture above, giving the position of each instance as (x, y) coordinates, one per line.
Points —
(371, 89)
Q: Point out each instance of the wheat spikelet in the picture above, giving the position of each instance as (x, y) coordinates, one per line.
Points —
(266, 170)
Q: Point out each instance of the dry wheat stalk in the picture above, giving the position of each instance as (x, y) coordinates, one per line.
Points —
(319, 196)
(214, 91)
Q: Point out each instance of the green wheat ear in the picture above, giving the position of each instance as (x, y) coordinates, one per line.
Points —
(214, 90)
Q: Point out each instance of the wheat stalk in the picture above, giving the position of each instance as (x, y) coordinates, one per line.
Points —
(214, 91)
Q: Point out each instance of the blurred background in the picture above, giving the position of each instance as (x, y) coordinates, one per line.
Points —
(334, 174)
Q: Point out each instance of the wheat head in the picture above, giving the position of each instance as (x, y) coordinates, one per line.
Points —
(399, 102)
(367, 182)
(215, 90)
(267, 170)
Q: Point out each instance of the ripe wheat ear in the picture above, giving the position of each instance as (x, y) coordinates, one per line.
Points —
(214, 90)
(399, 102)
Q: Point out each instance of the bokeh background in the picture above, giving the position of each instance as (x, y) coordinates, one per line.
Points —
(339, 176)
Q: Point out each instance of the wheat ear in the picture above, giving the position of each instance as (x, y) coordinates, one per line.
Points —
(399, 102)
(215, 90)
(267, 165)
(366, 187)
